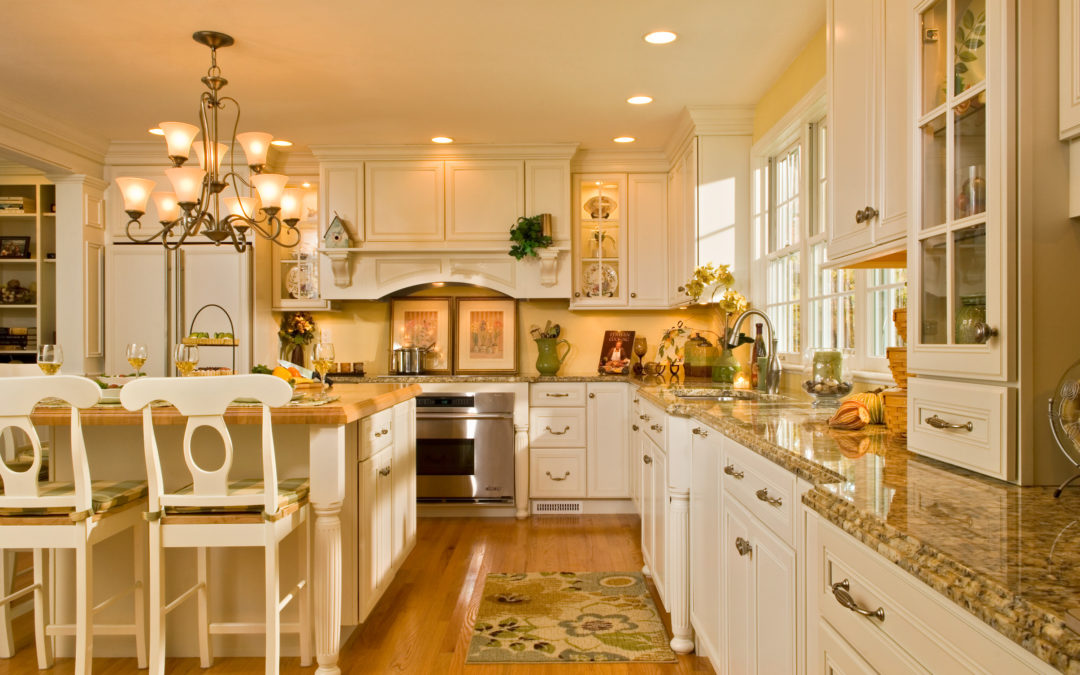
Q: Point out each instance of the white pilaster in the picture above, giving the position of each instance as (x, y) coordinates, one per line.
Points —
(327, 448)
(678, 581)
(521, 470)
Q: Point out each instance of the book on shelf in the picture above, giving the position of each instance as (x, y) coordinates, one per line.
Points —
(18, 330)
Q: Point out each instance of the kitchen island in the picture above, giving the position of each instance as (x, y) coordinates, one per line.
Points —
(317, 441)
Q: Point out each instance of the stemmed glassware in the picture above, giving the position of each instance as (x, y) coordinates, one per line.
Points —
(136, 356)
(50, 358)
(641, 345)
(186, 357)
(323, 358)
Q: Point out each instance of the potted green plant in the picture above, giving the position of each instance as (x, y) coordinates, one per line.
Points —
(528, 236)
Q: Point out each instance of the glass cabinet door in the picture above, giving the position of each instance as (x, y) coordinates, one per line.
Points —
(957, 239)
(600, 246)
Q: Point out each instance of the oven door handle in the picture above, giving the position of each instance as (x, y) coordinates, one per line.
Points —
(464, 416)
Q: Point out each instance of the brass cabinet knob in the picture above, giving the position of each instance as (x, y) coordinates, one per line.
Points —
(592, 394)
(743, 546)
(633, 295)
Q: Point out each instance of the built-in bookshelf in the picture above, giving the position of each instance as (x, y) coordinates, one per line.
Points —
(27, 284)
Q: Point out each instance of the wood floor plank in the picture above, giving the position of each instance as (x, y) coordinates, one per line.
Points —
(423, 624)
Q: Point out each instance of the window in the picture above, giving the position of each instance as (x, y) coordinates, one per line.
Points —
(810, 305)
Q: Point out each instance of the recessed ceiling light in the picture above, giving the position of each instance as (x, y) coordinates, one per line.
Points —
(157, 131)
(639, 100)
(660, 37)
(281, 143)
(623, 139)
(442, 139)
(307, 185)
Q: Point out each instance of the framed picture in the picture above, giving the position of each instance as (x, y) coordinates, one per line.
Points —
(615, 353)
(486, 336)
(14, 247)
(422, 322)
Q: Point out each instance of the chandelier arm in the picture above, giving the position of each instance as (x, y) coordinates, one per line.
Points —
(149, 239)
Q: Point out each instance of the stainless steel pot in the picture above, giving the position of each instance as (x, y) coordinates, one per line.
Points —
(409, 360)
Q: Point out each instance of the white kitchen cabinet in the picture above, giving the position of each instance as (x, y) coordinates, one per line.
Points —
(648, 255)
(867, 61)
(608, 444)
(403, 201)
(658, 511)
(682, 222)
(600, 241)
(706, 510)
(216, 275)
(484, 198)
(375, 521)
(759, 591)
(404, 475)
(547, 190)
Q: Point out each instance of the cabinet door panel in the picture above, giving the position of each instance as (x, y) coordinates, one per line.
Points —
(852, 110)
(384, 509)
(608, 441)
(217, 275)
(648, 240)
(403, 200)
(659, 514)
(483, 199)
(705, 514)
(837, 657)
(648, 520)
(738, 591)
(774, 602)
(547, 190)
(403, 452)
(894, 157)
(137, 311)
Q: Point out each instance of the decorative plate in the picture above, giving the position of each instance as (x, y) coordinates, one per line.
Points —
(600, 206)
(1065, 413)
(601, 280)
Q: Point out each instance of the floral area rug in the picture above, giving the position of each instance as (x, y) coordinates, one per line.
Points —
(553, 617)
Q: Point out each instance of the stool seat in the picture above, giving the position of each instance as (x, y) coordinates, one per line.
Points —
(290, 491)
(105, 495)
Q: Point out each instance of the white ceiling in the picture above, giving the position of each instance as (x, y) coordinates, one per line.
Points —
(400, 72)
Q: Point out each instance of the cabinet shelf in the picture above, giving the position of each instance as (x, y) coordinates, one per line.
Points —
(18, 215)
(2, 306)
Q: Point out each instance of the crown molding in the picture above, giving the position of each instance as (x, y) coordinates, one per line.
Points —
(293, 162)
(709, 120)
(814, 103)
(628, 161)
(353, 153)
(32, 138)
(137, 153)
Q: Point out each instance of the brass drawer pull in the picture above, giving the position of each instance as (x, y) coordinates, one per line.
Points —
(698, 431)
(763, 495)
(840, 592)
(550, 395)
(743, 546)
(644, 418)
(939, 423)
(647, 459)
(385, 471)
(565, 475)
(635, 427)
(731, 471)
(385, 431)
(557, 433)
(656, 427)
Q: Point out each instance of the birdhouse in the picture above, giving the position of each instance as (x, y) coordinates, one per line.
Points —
(337, 235)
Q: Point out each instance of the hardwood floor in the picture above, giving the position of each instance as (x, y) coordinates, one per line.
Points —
(423, 623)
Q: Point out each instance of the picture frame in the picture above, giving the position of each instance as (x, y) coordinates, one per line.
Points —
(423, 322)
(14, 247)
(486, 336)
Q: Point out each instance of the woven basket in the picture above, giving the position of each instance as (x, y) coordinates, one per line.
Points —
(899, 319)
(898, 365)
(896, 411)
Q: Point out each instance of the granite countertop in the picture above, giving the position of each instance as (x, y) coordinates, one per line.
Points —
(441, 379)
(1009, 555)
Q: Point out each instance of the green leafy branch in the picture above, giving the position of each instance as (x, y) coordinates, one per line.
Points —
(970, 37)
(528, 236)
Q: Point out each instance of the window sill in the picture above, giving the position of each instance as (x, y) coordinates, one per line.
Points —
(877, 377)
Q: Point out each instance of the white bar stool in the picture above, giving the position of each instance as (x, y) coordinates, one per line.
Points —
(52, 515)
(213, 511)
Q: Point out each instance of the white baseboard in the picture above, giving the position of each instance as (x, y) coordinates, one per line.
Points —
(591, 507)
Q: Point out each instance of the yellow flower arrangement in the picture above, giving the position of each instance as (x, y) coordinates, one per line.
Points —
(730, 304)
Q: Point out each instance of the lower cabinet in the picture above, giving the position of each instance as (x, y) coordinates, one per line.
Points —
(654, 512)
(386, 508)
(706, 501)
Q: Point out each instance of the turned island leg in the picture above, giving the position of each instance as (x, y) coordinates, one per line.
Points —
(678, 580)
(327, 457)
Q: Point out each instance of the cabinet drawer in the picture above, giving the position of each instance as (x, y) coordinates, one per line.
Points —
(974, 425)
(557, 394)
(651, 419)
(765, 489)
(930, 628)
(376, 433)
(557, 427)
(557, 473)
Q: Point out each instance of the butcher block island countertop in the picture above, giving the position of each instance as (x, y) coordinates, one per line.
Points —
(355, 402)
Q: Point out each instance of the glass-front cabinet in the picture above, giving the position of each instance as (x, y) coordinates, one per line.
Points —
(294, 273)
(958, 241)
(600, 250)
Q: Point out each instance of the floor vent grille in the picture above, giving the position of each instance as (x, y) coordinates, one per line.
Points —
(540, 508)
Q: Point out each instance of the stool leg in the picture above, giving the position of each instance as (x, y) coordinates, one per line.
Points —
(84, 605)
(138, 534)
(273, 597)
(157, 601)
(42, 616)
(7, 575)
(305, 593)
(206, 657)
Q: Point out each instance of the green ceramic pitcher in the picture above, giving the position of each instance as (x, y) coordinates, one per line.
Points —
(548, 361)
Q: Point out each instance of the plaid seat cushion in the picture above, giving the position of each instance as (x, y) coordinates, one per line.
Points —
(25, 458)
(290, 491)
(105, 495)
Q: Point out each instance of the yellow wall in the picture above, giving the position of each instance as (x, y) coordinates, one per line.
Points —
(360, 331)
(805, 71)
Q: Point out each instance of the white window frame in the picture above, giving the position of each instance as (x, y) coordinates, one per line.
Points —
(797, 126)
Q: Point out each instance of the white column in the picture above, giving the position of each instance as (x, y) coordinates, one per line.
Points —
(327, 461)
(521, 470)
(678, 581)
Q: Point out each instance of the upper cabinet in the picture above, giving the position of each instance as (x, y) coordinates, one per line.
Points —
(483, 199)
(403, 201)
(869, 111)
(649, 254)
(600, 246)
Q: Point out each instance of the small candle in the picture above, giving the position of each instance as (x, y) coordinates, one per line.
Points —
(742, 381)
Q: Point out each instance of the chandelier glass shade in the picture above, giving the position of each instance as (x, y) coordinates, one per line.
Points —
(196, 205)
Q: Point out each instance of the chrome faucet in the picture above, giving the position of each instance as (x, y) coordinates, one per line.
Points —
(772, 373)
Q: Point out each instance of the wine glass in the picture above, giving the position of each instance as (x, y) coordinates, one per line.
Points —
(641, 345)
(50, 358)
(136, 356)
(323, 357)
(186, 357)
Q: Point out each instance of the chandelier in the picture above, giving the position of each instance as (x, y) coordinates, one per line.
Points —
(194, 205)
